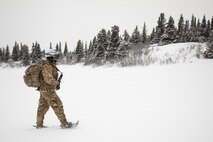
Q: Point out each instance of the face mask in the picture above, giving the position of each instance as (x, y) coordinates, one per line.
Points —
(52, 60)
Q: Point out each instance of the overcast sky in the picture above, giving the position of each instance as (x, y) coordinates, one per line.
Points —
(28, 21)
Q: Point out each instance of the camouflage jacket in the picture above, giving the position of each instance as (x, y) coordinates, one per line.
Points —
(49, 76)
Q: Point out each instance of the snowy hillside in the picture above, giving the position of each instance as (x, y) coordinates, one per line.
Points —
(153, 104)
(177, 53)
(167, 54)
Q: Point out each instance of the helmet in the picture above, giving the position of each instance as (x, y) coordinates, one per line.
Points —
(52, 53)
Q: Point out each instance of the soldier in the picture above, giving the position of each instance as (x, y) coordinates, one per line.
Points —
(48, 96)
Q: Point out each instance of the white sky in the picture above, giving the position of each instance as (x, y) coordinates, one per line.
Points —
(28, 21)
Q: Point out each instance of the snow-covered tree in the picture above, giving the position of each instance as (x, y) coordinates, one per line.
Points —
(90, 50)
(1, 55)
(203, 26)
(50, 45)
(160, 29)
(208, 29)
(7, 54)
(114, 37)
(186, 35)
(193, 22)
(65, 55)
(180, 31)
(85, 50)
(114, 42)
(126, 36)
(212, 23)
(144, 34)
(102, 44)
(25, 55)
(198, 28)
(169, 35)
(93, 48)
(79, 51)
(135, 38)
(192, 33)
(36, 54)
(16, 52)
(65, 50)
(152, 35)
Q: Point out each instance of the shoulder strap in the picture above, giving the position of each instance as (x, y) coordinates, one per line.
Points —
(47, 62)
(57, 69)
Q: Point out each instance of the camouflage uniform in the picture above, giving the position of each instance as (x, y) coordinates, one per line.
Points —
(48, 96)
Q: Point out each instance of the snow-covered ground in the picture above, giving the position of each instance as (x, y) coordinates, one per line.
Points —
(174, 53)
(167, 103)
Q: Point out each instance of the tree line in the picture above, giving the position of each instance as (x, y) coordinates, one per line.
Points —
(110, 45)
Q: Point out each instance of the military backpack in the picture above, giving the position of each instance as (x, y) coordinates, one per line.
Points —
(32, 76)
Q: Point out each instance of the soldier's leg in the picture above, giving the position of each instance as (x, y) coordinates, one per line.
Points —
(56, 104)
(43, 107)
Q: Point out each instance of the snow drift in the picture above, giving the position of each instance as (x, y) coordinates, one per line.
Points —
(167, 54)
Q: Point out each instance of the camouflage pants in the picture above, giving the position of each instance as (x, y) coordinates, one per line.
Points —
(50, 99)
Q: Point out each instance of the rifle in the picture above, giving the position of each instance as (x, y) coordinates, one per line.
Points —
(59, 81)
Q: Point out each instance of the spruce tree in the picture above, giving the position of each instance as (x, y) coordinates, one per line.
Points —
(180, 30)
(109, 34)
(32, 55)
(212, 24)
(193, 34)
(208, 29)
(65, 55)
(135, 38)
(65, 50)
(170, 32)
(115, 41)
(203, 26)
(90, 50)
(152, 35)
(25, 55)
(198, 28)
(57, 47)
(102, 44)
(79, 51)
(7, 54)
(93, 48)
(16, 52)
(115, 37)
(50, 45)
(186, 35)
(1, 55)
(126, 36)
(160, 29)
(144, 34)
(36, 54)
(85, 50)
(193, 22)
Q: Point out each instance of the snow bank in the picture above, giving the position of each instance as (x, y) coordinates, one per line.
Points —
(175, 53)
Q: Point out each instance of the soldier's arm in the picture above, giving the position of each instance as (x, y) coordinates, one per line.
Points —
(47, 75)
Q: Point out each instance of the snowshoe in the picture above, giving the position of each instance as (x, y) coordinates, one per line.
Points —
(39, 126)
(70, 125)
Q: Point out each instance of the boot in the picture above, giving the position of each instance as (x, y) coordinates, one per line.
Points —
(40, 126)
(67, 125)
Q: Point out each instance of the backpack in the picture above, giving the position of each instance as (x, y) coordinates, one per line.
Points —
(32, 76)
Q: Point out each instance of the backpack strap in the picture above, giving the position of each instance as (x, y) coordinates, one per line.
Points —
(43, 62)
(57, 68)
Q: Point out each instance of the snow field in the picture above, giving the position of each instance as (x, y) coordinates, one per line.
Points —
(167, 103)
